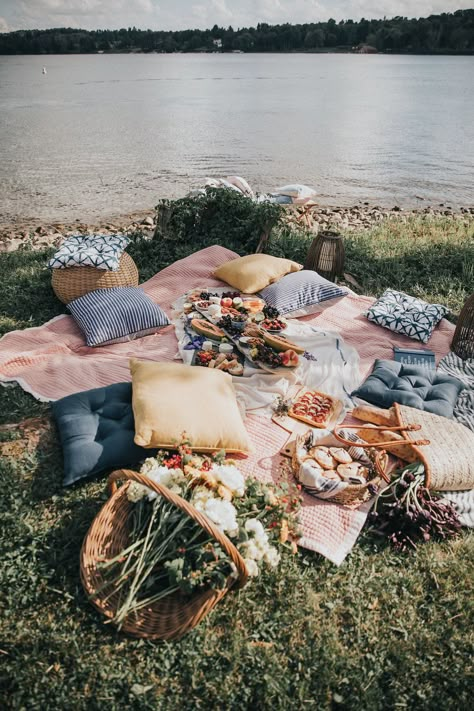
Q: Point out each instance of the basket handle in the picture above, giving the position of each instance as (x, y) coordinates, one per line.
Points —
(380, 464)
(190, 511)
(381, 428)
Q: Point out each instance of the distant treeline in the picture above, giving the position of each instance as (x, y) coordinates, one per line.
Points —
(445, 33)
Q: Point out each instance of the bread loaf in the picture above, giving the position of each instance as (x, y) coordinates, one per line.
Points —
(375, 415)
(375, 436)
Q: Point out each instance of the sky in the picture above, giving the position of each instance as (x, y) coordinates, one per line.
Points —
(202, 14)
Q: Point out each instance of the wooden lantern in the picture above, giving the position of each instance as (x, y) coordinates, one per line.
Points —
(463, 340)
(326, 255)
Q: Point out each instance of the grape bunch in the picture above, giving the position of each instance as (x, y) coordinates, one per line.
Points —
(205, 295)
(407, 513)
(228, 325)
(270, 312)
(230, 294)
(267, 355)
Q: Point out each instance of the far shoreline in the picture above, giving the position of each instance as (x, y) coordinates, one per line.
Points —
(40, 233)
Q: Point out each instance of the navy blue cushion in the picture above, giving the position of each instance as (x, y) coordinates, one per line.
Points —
(298, 293)
(411, 385)
(119, 314)
(96, 429)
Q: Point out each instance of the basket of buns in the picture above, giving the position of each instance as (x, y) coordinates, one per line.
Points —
(341, 474)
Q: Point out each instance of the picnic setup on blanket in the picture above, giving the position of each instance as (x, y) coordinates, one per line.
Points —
(246, 405)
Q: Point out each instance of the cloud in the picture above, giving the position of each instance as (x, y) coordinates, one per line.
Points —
(4, 25)
(184, 14)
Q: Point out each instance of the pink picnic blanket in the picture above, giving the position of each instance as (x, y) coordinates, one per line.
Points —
(51, 361)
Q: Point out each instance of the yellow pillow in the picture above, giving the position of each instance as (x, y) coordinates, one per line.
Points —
(254, 272)
(170, 398)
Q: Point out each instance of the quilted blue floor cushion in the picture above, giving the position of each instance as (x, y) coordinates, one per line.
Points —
(96, 429)
(410, 385)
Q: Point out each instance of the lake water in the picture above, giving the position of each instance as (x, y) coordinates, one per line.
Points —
(105, 134)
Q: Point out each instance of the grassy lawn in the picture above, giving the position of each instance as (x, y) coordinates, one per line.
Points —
(383, 631)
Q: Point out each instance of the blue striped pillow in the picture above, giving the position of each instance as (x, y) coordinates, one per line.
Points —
(299, 293)
(116, 315)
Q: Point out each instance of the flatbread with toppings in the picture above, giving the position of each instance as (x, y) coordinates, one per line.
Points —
(314, 408)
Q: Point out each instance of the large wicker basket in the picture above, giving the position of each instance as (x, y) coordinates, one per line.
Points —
(174, 615)
(72, 282)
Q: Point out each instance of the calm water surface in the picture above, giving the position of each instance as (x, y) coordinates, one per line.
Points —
(104, 134)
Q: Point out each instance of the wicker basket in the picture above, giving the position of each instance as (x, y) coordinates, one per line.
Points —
(353, 494)
(174, 615)
(72, 282)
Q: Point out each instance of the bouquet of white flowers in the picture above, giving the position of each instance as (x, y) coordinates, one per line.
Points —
(168, 553)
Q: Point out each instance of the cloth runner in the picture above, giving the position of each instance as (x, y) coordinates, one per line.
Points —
(52, 361)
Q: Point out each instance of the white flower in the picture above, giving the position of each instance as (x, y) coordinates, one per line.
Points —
(173, 479)
(222, 513)
(272, 557)
(251, 549)
(200, 496)
(231, 477)
(253, 525)
(149, 465)
(252, 567)
(135, 492)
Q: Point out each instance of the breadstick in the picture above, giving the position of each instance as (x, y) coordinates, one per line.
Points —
(374, 436)
(376, 415)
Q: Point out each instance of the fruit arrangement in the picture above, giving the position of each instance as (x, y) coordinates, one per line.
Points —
(254, 305)
(233, 316)
(233, 324)
(276, 324)
(207, 329)
(262, 353)
(314, 408)
(279, 343)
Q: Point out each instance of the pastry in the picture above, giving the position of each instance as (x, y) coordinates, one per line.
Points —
(348, 471)
(332, 474)
(341, 455)
(322, 456)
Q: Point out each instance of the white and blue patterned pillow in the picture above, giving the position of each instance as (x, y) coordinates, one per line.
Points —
(300, 293)
(116, 315)
(405, 314)
(99, 251)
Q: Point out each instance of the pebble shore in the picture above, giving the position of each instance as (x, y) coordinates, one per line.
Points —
(38, 235)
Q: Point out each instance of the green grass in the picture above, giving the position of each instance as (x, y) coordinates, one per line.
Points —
(383, 631)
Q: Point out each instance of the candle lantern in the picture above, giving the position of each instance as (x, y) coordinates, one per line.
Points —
(326, 255)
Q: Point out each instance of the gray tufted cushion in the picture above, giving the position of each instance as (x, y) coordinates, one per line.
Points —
(96, 429)
(410, 385)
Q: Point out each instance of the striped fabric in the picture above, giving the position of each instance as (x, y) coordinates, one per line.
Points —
(296, 293)
(117, 315)
(463, 370)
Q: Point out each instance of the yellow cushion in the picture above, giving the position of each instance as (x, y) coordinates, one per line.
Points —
(254, 272)
(170, 398)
